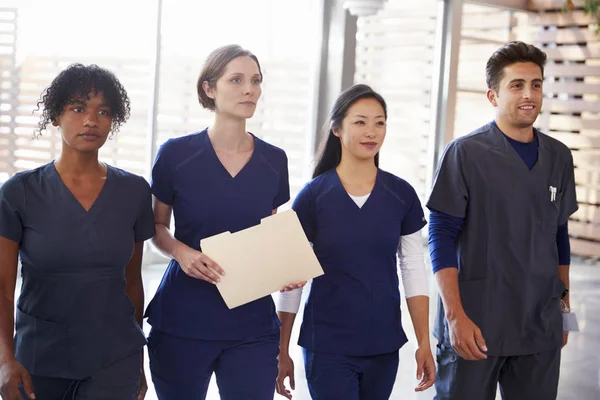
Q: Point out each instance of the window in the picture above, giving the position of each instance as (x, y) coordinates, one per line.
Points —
(29, 60)
(283, 46)
(394, 55)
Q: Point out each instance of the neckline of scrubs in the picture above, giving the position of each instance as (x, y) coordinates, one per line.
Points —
(221, 166)
(348, 196)
(99, 199)
(502, 144)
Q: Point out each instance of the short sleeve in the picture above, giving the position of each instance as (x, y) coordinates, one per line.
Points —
(304, 207)
(569, 197)
(144, 227)
(162, 179)
(449, 193)
(414, 219)
(12, 209)
(283, 193)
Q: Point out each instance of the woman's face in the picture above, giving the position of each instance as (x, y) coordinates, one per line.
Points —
(237, 91)
(363, 129)
(85, 123)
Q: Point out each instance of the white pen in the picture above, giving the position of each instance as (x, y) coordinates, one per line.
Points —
(552, 193)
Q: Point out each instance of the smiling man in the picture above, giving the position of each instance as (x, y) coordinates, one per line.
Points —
(499, 243)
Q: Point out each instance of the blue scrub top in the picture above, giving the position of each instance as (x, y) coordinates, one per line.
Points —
(73, 315)
(507, 254)
(354, 308)
(206, 201)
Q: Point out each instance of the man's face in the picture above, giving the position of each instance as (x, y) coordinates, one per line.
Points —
(519, 96)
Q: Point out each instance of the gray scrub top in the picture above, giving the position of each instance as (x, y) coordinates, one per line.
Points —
(73, 315)
(507, 254)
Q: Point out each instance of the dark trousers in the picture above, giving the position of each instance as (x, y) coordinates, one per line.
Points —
(527, 377)
(119, 381)
(181, 368)
(338, 377)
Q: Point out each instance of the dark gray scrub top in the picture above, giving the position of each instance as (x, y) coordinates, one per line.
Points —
(73, 315)
(507, 254)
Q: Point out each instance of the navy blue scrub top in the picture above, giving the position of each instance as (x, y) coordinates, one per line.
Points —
(354, 308)
(206, 200)
(73, 315)
(507, 253)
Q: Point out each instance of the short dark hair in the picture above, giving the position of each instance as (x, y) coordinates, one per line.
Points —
(77, 81)
(510, 53)
(214, 68)
(330, 152)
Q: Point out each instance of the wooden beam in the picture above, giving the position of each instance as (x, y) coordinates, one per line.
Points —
(572, 70)
(584, 230)
(588, 195)
(585, 248)
(588, 158)
(571, 105)
(575, 140)
(520, 5)
(574, 88)
(561, 18)
(590, 178)
(588, 213)
(566, 36)
(572, 123)
(539, 5)
(573, 52)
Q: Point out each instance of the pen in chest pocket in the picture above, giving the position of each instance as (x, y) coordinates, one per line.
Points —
(552, 193)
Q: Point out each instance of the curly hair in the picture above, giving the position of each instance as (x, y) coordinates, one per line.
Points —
(78, 82)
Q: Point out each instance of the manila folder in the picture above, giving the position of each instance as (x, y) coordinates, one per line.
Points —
(262, 259)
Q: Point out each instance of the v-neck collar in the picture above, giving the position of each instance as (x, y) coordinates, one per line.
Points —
(341, 187)
(99, 199)
(500, 142)
(211, 149)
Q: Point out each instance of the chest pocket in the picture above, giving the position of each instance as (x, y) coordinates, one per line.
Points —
(551, 200)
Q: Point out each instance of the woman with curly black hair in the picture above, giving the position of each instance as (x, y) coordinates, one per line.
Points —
(78, 225)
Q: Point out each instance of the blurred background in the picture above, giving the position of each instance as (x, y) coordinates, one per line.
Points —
(427, 58)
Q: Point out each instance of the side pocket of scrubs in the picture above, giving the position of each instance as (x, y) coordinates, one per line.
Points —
(41, 345)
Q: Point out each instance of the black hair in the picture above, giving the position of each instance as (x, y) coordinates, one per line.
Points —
(77, 82)
(330, 152)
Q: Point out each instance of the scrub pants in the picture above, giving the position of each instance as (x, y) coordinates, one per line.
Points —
(181, 367)
(338, 377)
(119, 381)
(531, 377)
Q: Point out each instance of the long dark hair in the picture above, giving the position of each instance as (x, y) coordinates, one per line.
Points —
(330, 151)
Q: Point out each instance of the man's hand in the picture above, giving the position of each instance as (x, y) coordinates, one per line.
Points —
(466, 338)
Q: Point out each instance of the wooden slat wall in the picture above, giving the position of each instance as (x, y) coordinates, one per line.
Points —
(394, 55)
(572, 109)
(9, 82)
(484, 29)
